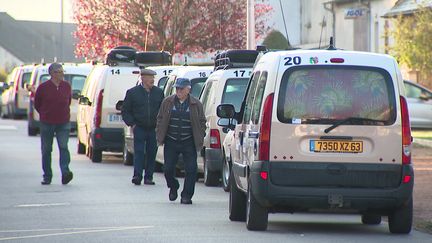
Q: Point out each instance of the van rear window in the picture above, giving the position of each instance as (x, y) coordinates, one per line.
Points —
(325, 94)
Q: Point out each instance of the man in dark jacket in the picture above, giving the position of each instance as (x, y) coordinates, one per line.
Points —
(181, 127)
(139, 110)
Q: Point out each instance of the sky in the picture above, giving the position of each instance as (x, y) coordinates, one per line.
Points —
(38, 10)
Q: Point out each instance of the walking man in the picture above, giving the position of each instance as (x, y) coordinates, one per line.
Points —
(139, 111)
(181, 127)
(52, 101)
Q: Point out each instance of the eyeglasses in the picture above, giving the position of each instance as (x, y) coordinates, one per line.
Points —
(59, 71)
(180, 88)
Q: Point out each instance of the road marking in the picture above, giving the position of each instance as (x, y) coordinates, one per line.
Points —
(41, 205)
(83, 231)
(7, 127)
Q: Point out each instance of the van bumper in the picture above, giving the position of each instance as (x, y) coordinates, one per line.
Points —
(305, 198)
(213, 158)
(108, 139)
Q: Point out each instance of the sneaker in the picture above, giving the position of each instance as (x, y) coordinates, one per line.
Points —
(186, 200)
(46, 181)
(149, 182)
(173, 194)
(67, 178)
(136, 180)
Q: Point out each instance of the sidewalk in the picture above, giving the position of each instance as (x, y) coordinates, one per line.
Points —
(423, 142)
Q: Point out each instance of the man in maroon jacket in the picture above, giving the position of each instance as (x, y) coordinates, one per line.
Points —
(52, 101)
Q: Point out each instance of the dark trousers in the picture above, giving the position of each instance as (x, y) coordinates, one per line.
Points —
(145, 149)
(61, 132)
(172, 150)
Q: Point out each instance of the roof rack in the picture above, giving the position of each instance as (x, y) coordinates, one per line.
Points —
(235, 59)
(153, 58)
(121, 55)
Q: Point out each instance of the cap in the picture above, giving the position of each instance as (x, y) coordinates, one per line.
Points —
(182, 83)
(145, 71)
(54, 67)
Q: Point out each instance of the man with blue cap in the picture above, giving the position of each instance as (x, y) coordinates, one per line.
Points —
(181, 128)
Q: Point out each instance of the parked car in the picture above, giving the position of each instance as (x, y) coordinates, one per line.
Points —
(19, 97)
(7, 94)
(419, 105)
(227, 84)
(322, 130)
(75, 74)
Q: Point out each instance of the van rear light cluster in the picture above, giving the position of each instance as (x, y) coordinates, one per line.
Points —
(98, 115)
(264, 135)
(406, 132)
(215, 139)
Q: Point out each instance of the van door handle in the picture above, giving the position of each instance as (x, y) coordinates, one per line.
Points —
(253, 134)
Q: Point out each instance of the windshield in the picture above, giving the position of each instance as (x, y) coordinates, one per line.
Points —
(325, 94)
(197, 85)
(76, 81)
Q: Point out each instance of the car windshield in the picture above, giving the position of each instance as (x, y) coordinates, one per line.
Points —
(234, 91)
(326, 94)
(76, 81)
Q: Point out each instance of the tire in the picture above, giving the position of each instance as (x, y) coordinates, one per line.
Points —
(81, 148)
(226, 172)
(127, 156)
(211, 178)
(256, 215)
(400, 220)
(32, 131)
(371, 219)
(237, 202)
(95, 155)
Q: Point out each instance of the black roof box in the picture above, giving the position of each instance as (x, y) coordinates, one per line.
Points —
(235, 59)
(121, 55)
(153, 58)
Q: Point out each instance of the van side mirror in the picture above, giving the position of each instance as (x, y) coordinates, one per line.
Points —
(425, 96)
(225, 111)
(84, 101)
(76, 94)
(119, 105)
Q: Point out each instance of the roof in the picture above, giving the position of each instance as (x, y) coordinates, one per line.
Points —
(30, 41)
(406, 7)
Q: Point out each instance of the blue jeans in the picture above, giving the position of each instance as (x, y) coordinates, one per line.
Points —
(61, 132)
(145, 149)
(172, 150)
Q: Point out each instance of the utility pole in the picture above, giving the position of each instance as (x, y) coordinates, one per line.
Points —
(61, 32)
(250, 25)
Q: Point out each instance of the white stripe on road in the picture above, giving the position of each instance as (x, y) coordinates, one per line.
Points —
(6, 127)
(41, 205)
(83, 231)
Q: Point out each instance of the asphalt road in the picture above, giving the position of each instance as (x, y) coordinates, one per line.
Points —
(102, 205)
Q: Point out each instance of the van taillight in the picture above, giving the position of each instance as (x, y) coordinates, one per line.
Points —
(406, 132)
(215, 139)
(264, 135)
(98, 116)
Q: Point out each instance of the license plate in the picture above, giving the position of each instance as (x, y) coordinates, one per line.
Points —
(336, 146)
(115, 118)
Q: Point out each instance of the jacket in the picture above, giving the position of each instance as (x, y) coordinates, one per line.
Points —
(141, 107)
(53, 103)
(197, 118)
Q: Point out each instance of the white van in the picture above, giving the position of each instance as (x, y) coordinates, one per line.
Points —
(19, 97)
(323, 130)
(100, 125)
(225, 85)
(7, 93)
(74, 73)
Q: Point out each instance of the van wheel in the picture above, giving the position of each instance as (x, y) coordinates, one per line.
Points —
(226, 171)
(237, 202)
(95, 155)
(32, 131)
(81, 148)
(400, 220)
(211, 178)
(127, 156)
(256, 215)
(371, 219)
